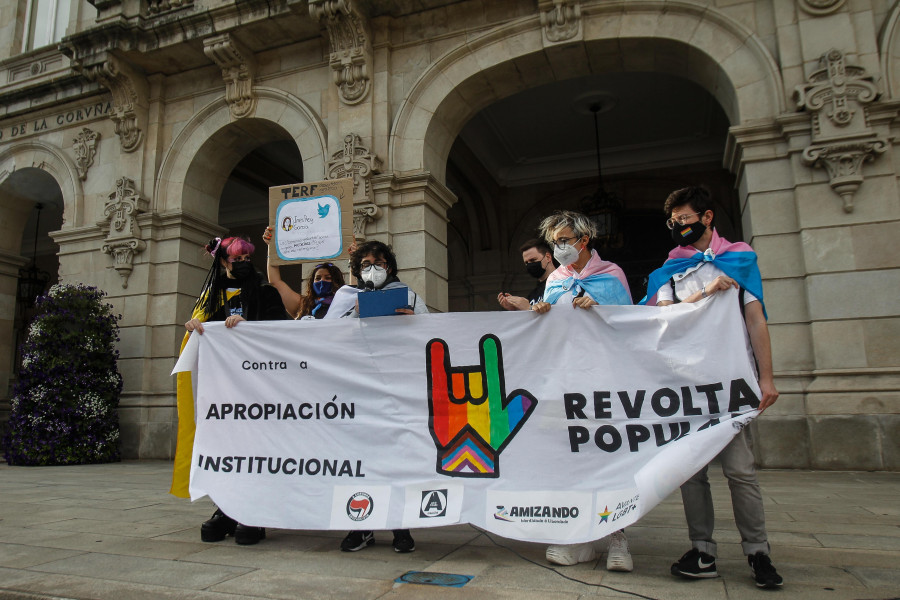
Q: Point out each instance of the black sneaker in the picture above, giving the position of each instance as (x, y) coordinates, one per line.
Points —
(763, 571)
(357, 540)
(245, 535)
(695, 565)
(217, 527)
(403, 541)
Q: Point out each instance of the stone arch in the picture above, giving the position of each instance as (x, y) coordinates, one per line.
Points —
(692, 41)
(49, 158)
(187, 183)
(889, 53)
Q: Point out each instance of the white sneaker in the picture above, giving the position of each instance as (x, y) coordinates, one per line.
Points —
(572, 554)
(618, 557)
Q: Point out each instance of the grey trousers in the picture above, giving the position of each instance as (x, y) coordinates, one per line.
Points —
(739, 468)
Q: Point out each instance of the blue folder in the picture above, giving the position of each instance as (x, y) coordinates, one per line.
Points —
(379, 303)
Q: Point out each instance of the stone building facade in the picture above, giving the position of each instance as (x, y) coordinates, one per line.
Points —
(145, 127)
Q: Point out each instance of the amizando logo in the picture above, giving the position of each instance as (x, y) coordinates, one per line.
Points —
(471, 417)
(540, 513)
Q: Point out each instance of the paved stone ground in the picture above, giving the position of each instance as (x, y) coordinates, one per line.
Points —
(113, 532)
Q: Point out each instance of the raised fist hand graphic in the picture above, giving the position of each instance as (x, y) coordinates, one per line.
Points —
(470, 416)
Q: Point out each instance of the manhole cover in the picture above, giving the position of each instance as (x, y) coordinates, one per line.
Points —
(428, 578)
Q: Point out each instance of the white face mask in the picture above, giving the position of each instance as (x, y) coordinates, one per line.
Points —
(377, 275)
(566, 255)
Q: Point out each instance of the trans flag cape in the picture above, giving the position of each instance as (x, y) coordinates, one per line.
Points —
(735, 259)
(602, 280)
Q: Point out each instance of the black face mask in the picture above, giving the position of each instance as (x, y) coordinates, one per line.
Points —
(242, 270)
(535, 269)
(685, 235)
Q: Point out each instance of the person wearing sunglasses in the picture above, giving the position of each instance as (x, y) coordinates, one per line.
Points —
(701, 265)
(324, 280)
(583, 280)
(233, 292)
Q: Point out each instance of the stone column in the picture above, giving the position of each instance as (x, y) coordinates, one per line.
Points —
(154, 327)
(767, 179)
(848, 207)
(414, 222)
(9, 274)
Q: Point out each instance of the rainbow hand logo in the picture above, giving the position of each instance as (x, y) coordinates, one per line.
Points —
(471, 418)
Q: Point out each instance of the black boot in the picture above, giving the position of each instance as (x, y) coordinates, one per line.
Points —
(246, 535)
(217, 527)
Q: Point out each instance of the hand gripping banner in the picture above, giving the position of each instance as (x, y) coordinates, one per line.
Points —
(407, 421)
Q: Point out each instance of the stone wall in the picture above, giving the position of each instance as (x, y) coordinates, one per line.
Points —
(179, 106)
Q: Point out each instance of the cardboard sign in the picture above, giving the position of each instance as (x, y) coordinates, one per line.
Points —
(312, 221)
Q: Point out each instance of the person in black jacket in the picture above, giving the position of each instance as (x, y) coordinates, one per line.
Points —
(233, 292)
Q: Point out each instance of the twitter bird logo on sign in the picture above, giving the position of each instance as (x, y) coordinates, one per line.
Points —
(323, 211)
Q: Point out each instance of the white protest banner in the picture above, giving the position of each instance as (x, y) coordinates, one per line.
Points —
(560, 427)
(310, 221)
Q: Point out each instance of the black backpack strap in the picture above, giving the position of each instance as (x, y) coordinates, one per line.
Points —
(675, 298)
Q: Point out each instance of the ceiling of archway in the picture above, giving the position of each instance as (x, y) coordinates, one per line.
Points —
(544, 134)
(245, 196)
(26, 188)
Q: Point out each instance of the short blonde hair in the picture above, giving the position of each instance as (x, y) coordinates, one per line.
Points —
(578, 222)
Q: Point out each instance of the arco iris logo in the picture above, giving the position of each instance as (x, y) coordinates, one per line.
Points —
(471, 418)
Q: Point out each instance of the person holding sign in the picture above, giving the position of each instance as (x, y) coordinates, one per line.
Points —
(701, 265)
(583, 280)
(374, 266)
(233, 292)
(324, 280)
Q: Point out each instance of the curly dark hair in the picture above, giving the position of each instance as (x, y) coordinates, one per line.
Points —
(379, 250)
(308, 301)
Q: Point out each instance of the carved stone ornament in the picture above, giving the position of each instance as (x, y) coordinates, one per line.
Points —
(363, 214)
(85, 147)
(156, 7)
(836, 96)
(843, 161)
(351, 47)
(356, 161)
(238, 70)
(560, 20)
(130, 98)
(820, 7)
(124, 238)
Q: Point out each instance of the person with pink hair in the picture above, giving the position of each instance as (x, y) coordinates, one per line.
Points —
(233, 292)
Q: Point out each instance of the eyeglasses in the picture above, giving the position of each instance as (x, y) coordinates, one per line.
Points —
(244, 258)
(377, 263)
(680, 219)
(563, 241)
